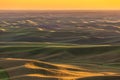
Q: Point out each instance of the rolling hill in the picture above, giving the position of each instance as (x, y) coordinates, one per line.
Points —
(59, 45)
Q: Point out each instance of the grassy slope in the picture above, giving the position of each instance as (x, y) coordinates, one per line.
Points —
(62, 36)
(3, 75)
(63, 53)
(96, 58)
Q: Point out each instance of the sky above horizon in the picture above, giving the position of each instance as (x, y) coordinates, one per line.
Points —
(60, 5)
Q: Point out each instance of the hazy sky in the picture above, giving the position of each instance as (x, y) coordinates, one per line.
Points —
(59, 4)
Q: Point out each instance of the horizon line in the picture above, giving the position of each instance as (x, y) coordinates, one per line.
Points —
(59, 9)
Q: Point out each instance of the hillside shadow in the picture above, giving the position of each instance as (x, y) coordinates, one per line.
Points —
(101, 78)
